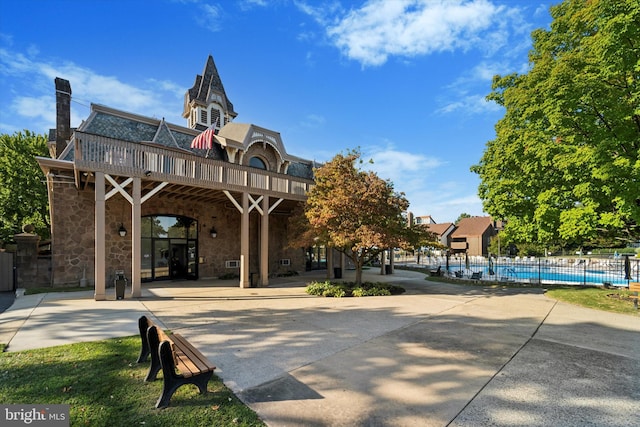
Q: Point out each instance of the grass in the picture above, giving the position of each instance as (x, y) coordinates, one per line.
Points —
(612, 300)
(104, 386)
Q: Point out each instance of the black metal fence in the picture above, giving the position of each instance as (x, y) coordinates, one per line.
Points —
(613, 271)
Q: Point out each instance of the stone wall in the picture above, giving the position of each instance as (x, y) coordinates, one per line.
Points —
(32, 270)
(73, 225)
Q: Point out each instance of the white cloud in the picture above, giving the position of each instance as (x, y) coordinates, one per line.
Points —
(313, 121)
(471, 104)
(400, 167)
(36, 102)
(210, 17)
(32, 107)
(444, 206)
(408, 28)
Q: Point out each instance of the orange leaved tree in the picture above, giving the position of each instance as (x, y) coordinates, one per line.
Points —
(355, 211)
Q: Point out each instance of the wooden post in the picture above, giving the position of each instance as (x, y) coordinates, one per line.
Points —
(100, 246)
(136, 234)
(244, 242)
(264, 243)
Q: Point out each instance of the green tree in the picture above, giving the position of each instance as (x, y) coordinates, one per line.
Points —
(564, 166)
(461, 217)
(356, 212)
(23, 192)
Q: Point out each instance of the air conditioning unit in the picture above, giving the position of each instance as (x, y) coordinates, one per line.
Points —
(232, 264)
(285, 261)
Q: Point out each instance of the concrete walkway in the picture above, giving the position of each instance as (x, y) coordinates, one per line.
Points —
(437, 355)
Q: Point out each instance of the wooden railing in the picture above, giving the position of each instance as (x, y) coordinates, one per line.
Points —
(117, 157)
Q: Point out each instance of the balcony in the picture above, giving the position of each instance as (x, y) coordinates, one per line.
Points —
(179, 167)
(459, 246)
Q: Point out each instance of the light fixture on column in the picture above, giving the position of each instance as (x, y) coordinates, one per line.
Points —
(122, 231)
(213, 232)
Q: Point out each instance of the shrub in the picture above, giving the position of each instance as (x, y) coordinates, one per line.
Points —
(338, 290)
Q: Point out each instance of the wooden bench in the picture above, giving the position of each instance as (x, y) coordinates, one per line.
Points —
(476, 275)
(174, 353)
(634, 287)
(436, 271)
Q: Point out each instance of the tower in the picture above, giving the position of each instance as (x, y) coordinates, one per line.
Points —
(206, 103)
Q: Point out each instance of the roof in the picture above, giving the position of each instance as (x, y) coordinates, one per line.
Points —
(474, 226)
(113, 123)
(439, 229)
(206, 84)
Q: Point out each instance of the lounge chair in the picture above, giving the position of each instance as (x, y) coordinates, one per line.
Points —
(436, 271)
(476, 276)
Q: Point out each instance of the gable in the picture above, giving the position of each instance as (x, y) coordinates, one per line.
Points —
(473, 227)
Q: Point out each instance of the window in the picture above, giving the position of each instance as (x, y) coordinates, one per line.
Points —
(257, 162)
(203, 116)
(215, 117)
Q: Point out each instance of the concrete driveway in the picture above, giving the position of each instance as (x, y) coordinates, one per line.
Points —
(438, 355)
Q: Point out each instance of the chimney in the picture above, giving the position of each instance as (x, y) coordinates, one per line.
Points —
(63, 114)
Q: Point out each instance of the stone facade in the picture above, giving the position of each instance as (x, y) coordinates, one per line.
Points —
(74, 237)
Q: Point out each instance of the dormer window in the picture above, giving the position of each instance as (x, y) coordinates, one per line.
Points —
(258, 163)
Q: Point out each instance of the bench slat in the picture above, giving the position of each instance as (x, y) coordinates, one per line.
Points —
(198, 359)
(186, 367)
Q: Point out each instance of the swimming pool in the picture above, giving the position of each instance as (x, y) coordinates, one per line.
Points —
(557, 274)
(540, 271)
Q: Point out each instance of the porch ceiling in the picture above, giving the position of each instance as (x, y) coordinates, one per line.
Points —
(186, 193)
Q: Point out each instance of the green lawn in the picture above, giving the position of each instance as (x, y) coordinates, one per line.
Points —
(613, 300)
(104, 386)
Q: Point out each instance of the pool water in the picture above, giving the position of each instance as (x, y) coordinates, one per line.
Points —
(558, 274)
(548, 274)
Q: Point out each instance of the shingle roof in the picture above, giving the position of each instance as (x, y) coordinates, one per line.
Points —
(206, 83)
(112, 123)
(474, 226)
(439, 229)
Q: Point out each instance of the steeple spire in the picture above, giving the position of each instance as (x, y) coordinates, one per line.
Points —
(206, 103)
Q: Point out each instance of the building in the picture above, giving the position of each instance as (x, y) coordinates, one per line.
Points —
(423, 220)
(473, 235)
(128, 193)
(442, 232)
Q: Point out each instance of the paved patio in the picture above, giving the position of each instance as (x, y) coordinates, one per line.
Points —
(440, 354)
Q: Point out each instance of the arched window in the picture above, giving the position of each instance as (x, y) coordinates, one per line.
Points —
(257, 162)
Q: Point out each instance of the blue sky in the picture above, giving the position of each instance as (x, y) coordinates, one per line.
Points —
(403, 80)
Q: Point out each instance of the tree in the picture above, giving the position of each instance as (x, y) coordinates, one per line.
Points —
(564, 166)
(461, 217)
(356, 212)
(23, 193)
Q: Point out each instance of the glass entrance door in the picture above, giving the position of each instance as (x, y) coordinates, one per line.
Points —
(169, 248)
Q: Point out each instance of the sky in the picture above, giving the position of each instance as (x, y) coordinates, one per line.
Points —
(403, 81)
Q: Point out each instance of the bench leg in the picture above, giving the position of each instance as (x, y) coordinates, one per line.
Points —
(143, 325)
(172, 381)
(154, 342)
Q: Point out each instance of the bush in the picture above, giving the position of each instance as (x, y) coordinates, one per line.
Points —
(342, 289)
